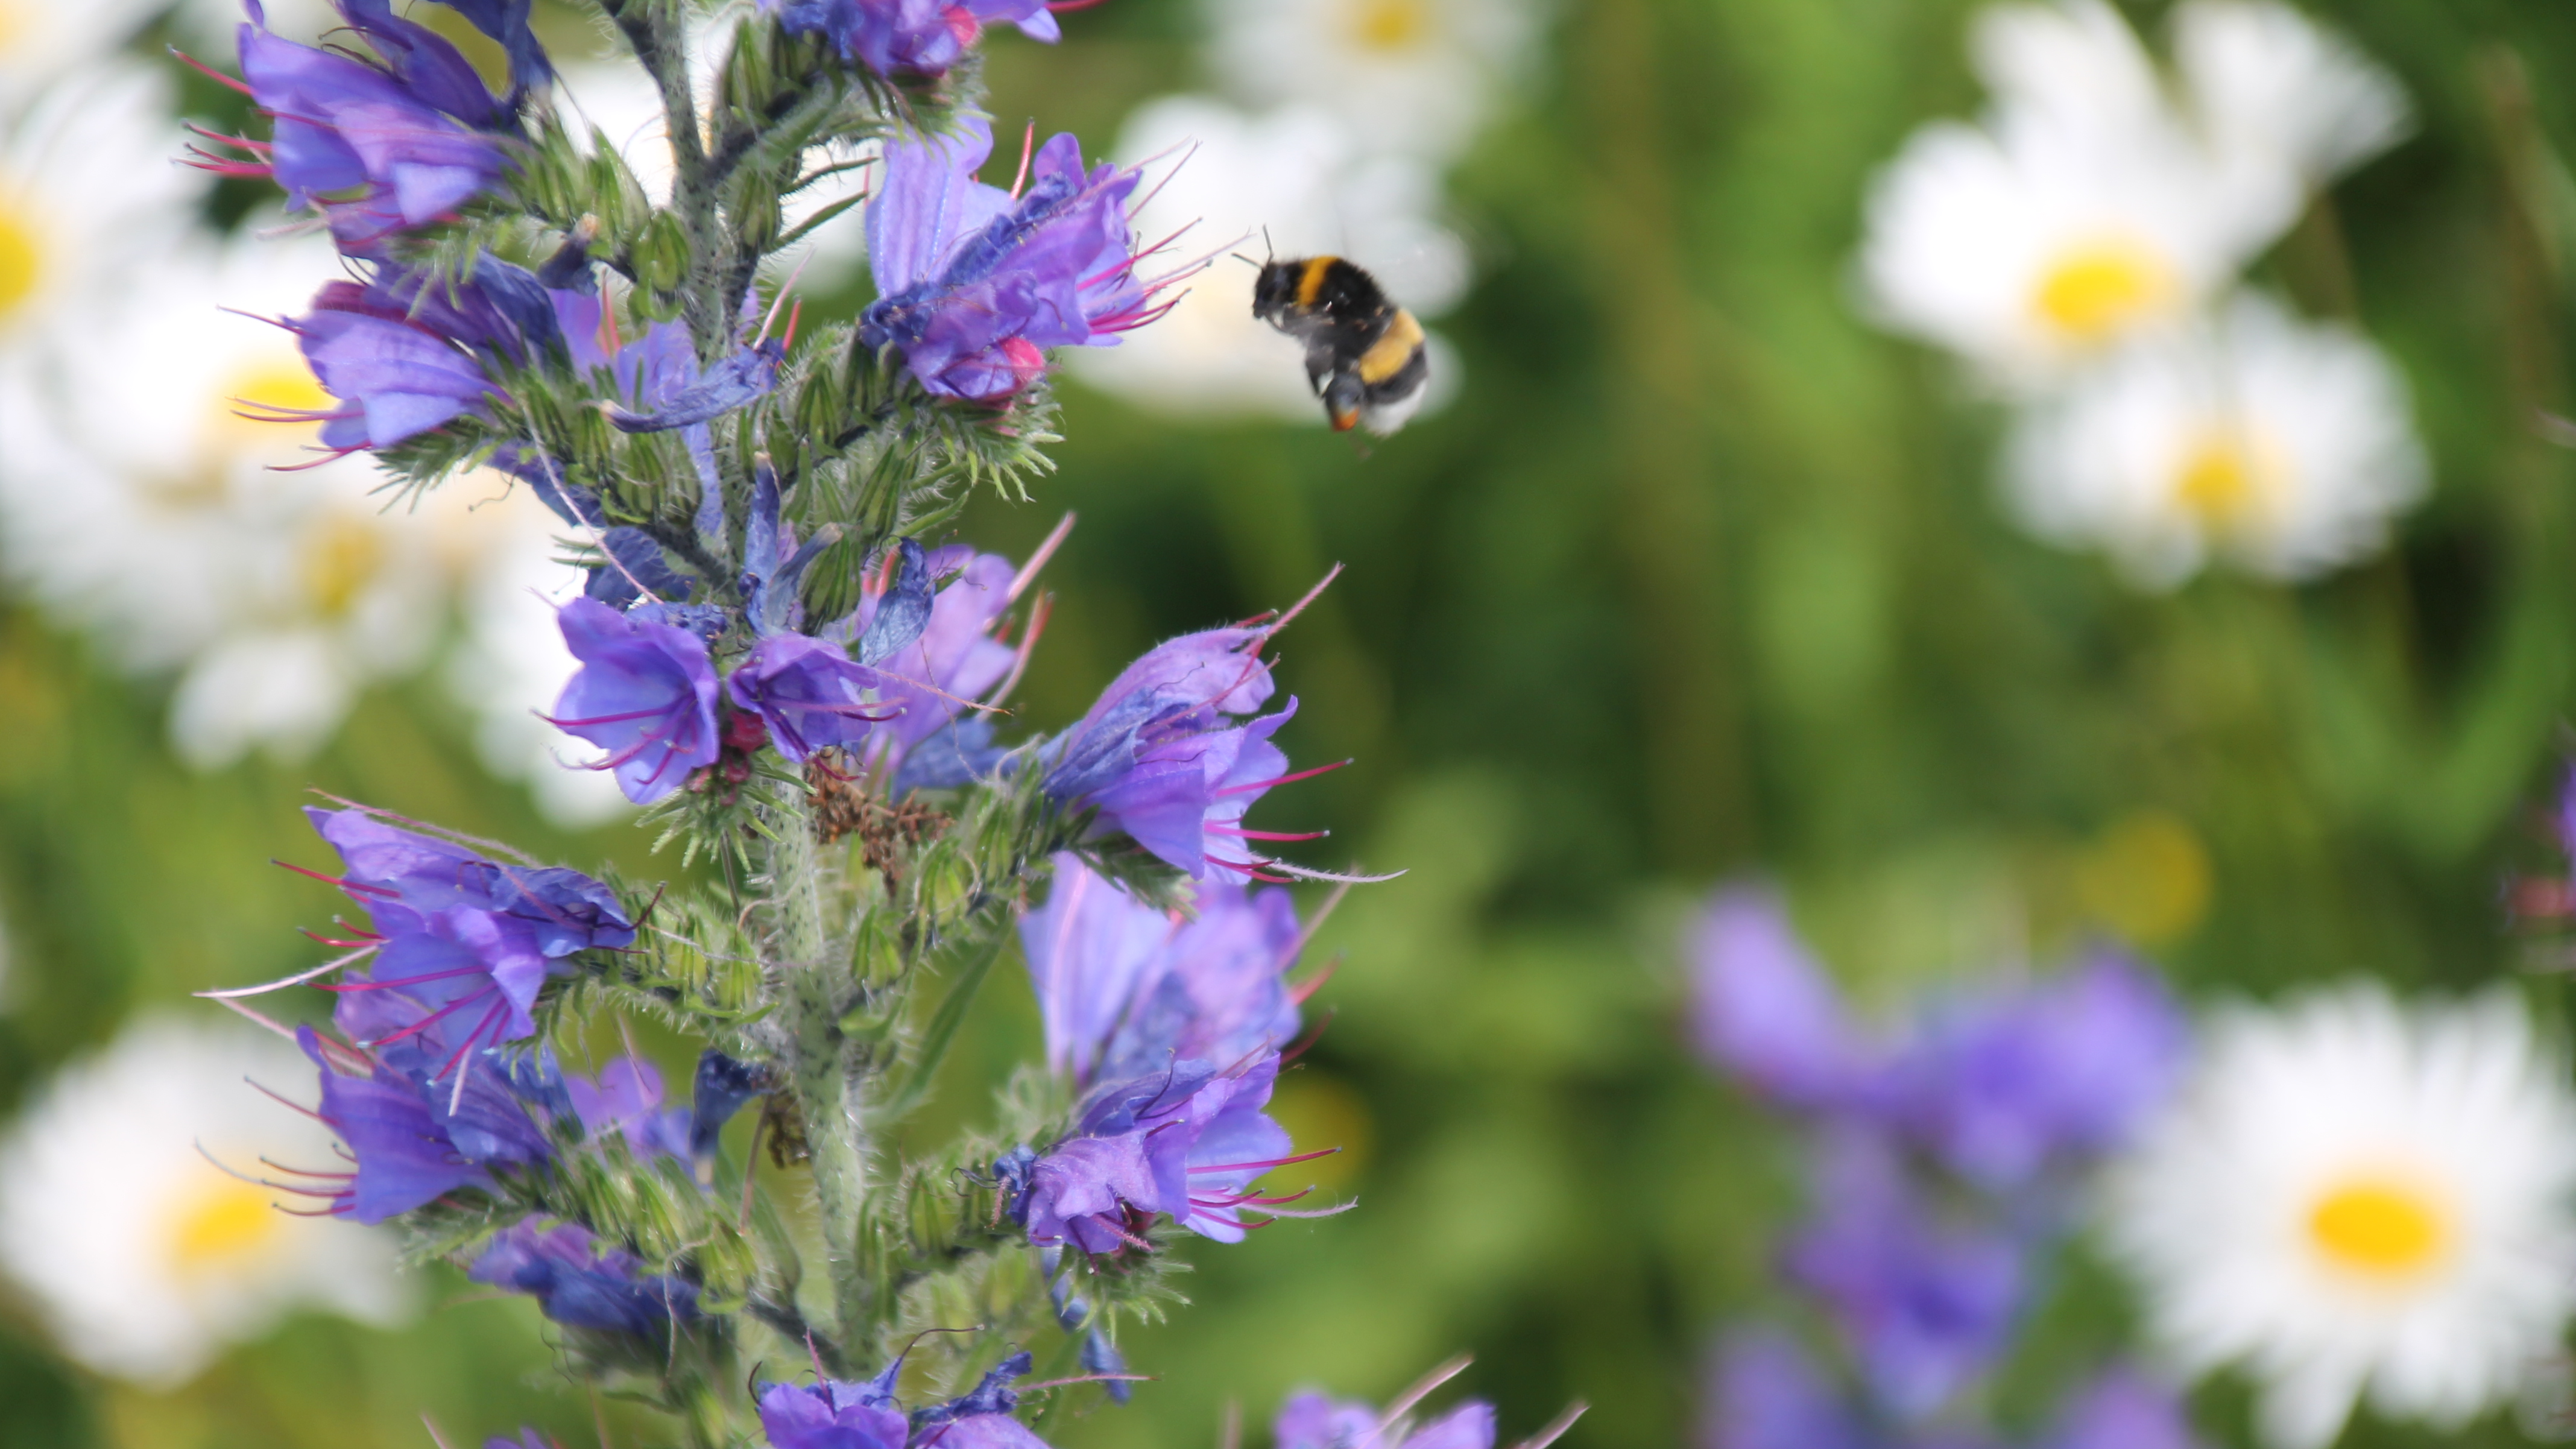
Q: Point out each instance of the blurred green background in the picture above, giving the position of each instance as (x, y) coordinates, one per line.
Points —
(1699, 575)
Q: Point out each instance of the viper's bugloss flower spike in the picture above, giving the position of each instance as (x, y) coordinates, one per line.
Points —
(580, 1284)
(908, 37)
(646, 693)
(374, 149)
(1928, 1306)
(1123, 988)
(974, 283)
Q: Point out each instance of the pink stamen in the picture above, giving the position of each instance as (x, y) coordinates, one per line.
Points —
(1312, 984)
(1028, 148)
(1273, 1162)
(425, 1022)
(341, 881)
(219, 78)
(1028, 573)
(1282, 779)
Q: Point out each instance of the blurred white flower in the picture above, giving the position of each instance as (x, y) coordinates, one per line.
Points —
(134, 500)
(89, 192)
(512, 664)
(2280, 445)
(2353, 1194)
(145, 1258)
(40, 39)
(2087, 210)
(2283, 104)
(1290, 182)
(1422, 75)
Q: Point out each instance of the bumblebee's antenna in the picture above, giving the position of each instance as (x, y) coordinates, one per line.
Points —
(1269, 252)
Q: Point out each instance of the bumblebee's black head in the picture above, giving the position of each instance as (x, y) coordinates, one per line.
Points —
(1274, 290)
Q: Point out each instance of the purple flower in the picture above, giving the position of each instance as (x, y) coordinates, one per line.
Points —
(809, 694)
(411, 1138)
(1187, 1142)
(953, 658)
(645, 692)
(1764, 1010)
(1311, 1420)
(908, 37)
(1125, 989)
(568, 911)
(2003, 1084)
(974, 282)
(1160, 759)
(580, 1285)
(1927, 1306)
(834, 1415)
(1764, 1392)
(1314, 1420)
(394, 376)
(414, 136)
(628, 1100)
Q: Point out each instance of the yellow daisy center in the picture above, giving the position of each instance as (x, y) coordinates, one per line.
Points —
(2095, 290)
(22, 252)
(2226, 480)
(1388, 25)
(341, 554)
(223, 1222)
(2380, 1228)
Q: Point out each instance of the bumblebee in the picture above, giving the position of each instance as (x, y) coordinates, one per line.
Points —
(1364, 354)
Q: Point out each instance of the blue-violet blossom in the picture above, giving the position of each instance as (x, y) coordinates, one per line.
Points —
(1187, 1142)
(908, 37)
(974, 282)
(645, 692)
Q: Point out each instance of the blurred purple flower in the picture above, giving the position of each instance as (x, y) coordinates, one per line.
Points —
(1160, 759)
(908, 37)
(1926, 1306)
(1124, 989)
(579, 1284)
(1763, 1009)
(1313, 1420)
(1187, 1142)
(1764, 1392)
(645, 692)
(2003, 1084)
(974, 282)
(2122, 1410)
(627, 1100)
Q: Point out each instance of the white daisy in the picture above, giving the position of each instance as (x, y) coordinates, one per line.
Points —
(40, 39)
(1290, 181)
(88, 191)
(2353, 1195)
(136, 501)
(2281, 445)
(1421, 75)
(2087, 210)
(145, 1258)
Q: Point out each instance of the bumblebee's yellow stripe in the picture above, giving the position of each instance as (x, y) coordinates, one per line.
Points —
(1388, 355)
(1311, 284)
